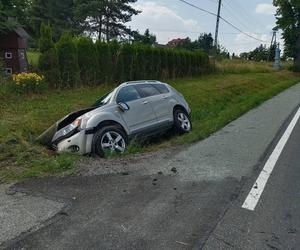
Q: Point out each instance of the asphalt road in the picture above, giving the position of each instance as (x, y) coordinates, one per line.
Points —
(191, 199)
(275, 222)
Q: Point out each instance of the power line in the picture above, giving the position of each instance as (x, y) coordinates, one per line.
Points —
(229, 23)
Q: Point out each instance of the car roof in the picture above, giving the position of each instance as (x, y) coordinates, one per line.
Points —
(141, 82)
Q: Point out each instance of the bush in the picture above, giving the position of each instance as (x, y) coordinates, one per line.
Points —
(87, 60)
(45, 41)
(105, 62)
(68, 61)
(25, 83)
(125, 63)
(48, 64)
(80, 60)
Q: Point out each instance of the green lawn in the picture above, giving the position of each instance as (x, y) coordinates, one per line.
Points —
(33, 58)
(215, 101)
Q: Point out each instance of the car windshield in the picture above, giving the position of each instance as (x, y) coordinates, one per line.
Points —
(103, 100)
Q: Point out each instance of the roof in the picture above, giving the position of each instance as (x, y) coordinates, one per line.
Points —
(21, 33)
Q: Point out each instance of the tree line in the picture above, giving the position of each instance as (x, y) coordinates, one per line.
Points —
(74, 61)
(104, 19)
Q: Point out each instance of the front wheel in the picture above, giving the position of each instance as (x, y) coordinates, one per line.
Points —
(109, 139)
(182, 122)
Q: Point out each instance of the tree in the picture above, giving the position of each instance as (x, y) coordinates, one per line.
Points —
(104, 61)
(205, 42)
(13, 14)
(147, 38)
(106, 18)
(87, 60)
(46, 40)
(68, 61)
(288, 14)
(59, 14)
(48, 61)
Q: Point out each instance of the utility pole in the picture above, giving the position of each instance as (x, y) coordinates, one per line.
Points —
(273, 41)
(217, 30)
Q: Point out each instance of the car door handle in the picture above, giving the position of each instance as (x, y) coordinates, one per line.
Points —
(145, 102)
(164, 97)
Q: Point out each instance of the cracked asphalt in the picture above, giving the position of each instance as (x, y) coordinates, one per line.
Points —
(141, 202)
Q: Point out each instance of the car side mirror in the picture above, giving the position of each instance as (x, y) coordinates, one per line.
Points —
(123, 106)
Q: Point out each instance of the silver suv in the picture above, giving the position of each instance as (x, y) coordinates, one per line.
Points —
(132, 109)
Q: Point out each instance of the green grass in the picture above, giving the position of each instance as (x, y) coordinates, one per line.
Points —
(33, 58)
(215, 100)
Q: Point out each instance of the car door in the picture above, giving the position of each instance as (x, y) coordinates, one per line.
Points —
(140, 114)
(159, 101)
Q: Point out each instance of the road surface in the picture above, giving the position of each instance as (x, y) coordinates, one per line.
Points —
(179, 199)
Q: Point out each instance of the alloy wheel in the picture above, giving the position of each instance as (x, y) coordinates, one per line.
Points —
(113, 141)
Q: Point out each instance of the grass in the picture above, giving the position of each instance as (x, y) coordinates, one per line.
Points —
(215, 100)
(33, 58)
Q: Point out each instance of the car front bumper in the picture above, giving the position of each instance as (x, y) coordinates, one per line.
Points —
(79, 143)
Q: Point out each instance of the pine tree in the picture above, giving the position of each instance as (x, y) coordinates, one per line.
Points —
(68, 61)
(48, 61)
(46, 40)
(105, 68)
(87, 60)
(105, 18)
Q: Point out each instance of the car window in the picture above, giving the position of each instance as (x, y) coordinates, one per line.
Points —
(147, 90)
(161, 88)
(127, 94)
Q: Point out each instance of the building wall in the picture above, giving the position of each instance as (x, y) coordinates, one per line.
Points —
(12, 43)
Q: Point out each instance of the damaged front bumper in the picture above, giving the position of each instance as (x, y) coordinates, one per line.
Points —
(77, 143)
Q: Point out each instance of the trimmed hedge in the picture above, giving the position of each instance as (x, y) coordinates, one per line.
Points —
(83, 62)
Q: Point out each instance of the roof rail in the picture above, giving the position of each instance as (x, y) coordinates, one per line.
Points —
(143, 81)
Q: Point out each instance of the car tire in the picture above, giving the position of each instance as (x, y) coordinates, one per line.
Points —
(182, 121)
(109, 139)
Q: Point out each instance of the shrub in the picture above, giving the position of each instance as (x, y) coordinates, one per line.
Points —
(68, 61)
(45, 41)
(25, 83)
(140, 62)
(125, 63)
(48, 64)
(105, 62)
(87, 60)
(115, 52)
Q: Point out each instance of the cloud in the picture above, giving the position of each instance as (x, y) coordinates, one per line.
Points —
(243, 43)
(164, 22)
(265, 8)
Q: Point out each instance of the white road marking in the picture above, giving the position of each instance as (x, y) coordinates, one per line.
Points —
(258, 187)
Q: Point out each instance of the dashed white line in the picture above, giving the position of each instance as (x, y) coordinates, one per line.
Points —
(259, 185)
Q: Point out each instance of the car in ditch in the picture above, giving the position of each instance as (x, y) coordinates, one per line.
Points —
(136, 108)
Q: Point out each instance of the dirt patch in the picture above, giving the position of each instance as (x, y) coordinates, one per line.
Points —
(131, 164)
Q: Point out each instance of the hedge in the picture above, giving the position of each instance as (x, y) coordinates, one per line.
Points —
(81, 61)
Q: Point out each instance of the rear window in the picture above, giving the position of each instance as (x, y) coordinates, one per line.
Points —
(147, 90)
(161, 88)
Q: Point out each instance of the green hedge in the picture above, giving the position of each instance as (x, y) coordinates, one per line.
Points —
(83, 62)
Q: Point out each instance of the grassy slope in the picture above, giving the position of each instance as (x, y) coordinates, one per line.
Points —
(215, 101)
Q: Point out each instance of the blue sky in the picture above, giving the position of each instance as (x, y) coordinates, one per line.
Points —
(170, 19)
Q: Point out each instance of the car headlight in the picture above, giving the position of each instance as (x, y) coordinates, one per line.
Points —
(67, 130)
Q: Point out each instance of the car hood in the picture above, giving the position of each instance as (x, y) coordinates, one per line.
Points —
(46, 137)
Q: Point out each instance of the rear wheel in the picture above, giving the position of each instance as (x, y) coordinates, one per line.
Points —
(109, 139)
(182, 122)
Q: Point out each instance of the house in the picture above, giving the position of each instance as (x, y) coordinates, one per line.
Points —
(13, 46)
(176, 42)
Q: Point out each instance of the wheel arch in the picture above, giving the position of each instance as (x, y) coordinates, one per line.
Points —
(178, 106)
(110, 123)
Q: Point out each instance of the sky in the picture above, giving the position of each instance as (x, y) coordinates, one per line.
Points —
(169, 19)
